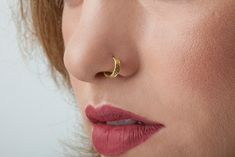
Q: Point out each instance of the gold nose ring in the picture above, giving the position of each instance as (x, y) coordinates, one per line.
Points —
(116, 69)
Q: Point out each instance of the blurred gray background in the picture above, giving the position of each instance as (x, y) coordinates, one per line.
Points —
(34, 114)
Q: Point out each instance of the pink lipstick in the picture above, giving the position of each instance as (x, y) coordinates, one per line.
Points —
(115, 131)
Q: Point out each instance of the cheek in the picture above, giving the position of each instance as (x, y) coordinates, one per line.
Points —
(65, 28)
(203, 67)
(195, 63)
(204, 72)
(196, 73)
(207, 62)
(70, 19)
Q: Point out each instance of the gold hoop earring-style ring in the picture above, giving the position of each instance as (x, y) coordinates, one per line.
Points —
(116, 70)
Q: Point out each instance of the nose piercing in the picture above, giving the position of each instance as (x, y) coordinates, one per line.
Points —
(116, 69)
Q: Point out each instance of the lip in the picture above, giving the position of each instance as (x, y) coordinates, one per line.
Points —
(115, 140)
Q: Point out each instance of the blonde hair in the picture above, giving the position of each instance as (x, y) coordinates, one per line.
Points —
(41, 21)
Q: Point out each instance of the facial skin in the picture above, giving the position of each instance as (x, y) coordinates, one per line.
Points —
(177, 68)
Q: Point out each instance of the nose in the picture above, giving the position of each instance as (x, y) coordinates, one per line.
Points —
(105, 29)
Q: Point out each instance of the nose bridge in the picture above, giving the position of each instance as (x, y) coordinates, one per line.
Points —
(100, 33)
(106, 17)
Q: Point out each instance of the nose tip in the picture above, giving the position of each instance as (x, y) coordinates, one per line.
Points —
(92, 44)
(88, 68)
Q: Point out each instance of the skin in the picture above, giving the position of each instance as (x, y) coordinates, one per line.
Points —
(177, 68)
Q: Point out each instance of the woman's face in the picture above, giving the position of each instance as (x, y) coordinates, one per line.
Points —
(177, 68)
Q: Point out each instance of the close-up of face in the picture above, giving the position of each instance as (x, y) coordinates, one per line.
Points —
(177, 69)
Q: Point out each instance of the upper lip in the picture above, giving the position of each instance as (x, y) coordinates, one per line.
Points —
(107, 112)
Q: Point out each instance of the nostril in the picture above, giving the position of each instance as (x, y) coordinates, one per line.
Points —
(99, 75)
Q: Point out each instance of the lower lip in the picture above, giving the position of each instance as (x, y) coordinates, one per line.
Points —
(116, 140)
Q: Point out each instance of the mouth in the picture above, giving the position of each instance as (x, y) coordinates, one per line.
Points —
(116, 131)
